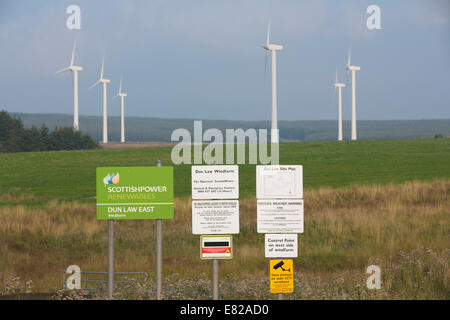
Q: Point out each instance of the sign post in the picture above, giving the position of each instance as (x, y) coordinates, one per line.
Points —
(281, 277)
(281, 245)
(110, 259)
(158, 252)
(279, 193)
(134, 193)
(216, 247)
(215, 279)
(216, 216)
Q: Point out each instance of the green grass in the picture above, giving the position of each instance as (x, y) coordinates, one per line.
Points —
(71, 174)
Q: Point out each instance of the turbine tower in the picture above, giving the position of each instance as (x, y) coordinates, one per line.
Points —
(122, 103)
(339, 86)
(105, 117)
(74, 70)
(353, 69)
(273, 48)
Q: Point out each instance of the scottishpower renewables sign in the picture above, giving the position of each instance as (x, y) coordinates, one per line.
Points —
(133, 193)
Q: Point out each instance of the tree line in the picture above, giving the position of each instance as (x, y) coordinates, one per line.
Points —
(14, 137)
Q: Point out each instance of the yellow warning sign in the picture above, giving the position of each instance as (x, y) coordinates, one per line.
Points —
(281, 276)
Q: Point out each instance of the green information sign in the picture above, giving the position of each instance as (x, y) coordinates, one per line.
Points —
(132, 193)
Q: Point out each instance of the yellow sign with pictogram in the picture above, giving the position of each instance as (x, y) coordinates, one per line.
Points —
(281, 276)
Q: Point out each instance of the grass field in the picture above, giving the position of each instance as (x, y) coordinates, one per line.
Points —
(71, 175)
(366, 202)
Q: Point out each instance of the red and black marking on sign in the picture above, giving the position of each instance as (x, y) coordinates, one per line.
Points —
(216, 247)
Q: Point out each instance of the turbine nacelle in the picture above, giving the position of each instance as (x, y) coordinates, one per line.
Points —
(353, 68)
(120, 95)
(101, 80)
(349, 66)
(104, 81)
(339, 85)
(75, 68)
(272, 47)
(72, 67)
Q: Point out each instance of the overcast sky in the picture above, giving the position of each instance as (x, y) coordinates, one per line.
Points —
(203, 59)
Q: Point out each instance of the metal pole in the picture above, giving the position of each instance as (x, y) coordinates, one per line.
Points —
(274, 132)
(110, 259)
(354, 105)
(158, 252)
(215, 279)
(279, 296)
(105, 116)
(340, 115)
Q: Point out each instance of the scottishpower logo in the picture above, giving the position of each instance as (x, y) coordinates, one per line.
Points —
(111, 179)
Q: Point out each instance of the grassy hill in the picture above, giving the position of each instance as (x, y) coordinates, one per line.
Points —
(71, 174)
(155, 129)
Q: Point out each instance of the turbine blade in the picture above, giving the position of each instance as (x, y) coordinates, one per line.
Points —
(72, 60)
(349, 56)
(265, 65)
(96, 83)
(336, 76)
(62, 70)
(101, 72)
(120, 87)
(268, 33)
(333, 98)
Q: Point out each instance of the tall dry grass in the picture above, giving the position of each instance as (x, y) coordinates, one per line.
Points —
(345, 231)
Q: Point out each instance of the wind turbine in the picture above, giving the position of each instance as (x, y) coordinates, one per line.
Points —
(122, 103)
(273, 48)
(339, 86)
(353, 69)
(74, 70)
(105, 117)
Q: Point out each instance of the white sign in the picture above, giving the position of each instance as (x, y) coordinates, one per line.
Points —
(215, 182)
(281, 245)
(215, 217)
(279, 216)
(275, 182)
(216, 247)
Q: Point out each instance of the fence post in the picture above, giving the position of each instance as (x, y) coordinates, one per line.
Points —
(158, 252)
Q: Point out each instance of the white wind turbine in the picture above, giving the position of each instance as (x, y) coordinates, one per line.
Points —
(105, 117)
(122, 103)
(353, 69)
(339, 86)
(74, 70)
(273, 48)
